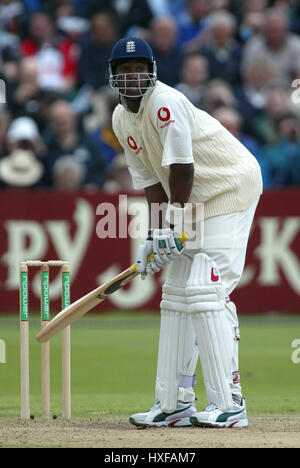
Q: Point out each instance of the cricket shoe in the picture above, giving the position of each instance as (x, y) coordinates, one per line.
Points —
(212, 416)
(155, 417)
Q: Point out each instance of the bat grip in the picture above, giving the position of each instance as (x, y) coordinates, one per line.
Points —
(182, 238)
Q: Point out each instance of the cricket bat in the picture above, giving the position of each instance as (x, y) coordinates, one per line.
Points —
(83, 305)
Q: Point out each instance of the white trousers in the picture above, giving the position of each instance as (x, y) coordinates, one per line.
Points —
(225, 241)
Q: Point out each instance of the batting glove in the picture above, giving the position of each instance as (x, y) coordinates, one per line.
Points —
(166, 246)
(145, 249)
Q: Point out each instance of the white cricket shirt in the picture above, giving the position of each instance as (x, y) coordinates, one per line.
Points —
(168, 129)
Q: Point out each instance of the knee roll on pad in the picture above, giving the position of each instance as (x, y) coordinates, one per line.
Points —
(205, 298)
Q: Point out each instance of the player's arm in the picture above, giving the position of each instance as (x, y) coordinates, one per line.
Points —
(158, 202)
(176, 136)
(156, 196)
(181, 180)
(175, 125)
(174, 121)
(180, 183)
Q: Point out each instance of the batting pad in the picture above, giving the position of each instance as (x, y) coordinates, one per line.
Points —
(205, 297)
(178, 352)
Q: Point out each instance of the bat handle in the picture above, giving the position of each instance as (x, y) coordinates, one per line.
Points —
(182, 238)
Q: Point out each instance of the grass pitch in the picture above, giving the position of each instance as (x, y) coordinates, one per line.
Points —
(114, 365)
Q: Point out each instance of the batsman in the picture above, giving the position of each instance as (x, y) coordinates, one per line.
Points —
(182, 157)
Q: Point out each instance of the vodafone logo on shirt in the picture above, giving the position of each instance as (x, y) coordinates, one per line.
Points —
(164, 115)
(133, 145)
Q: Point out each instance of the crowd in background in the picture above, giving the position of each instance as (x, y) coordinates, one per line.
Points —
(239, 60)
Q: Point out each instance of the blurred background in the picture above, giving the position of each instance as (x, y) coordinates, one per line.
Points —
(62, 170)
(237, 59)
(60, 161)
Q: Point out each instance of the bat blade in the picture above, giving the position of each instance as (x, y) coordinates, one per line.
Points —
(85, 304)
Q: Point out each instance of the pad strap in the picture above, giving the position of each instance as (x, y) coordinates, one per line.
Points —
(187, 381)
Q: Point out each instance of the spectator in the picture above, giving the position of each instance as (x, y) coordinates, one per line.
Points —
(10, 13)
(24, 93)
(252, 20)
(167, 54)
(192, 24)
(175, 8)
(161, 7)
(137, 16)
(68, 173)
(248, 7)
(23, 133)
(283, 155)
(65, 138)
(56, 68)
(277, 47)
(119, 179)
(221, 49)
(129, 13)
(292, 11)
(252, 93)
(71, 28)
(232, 120)
(22, 167)
(98, 124)
(216, 5)
(96, 48)
(265, 126)
(194, 74)
(9, 48)
(43, 103)
(218, 93)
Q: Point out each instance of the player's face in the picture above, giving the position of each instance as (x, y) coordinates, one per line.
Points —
(133, 78)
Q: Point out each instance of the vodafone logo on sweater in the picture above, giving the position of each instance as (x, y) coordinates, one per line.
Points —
(164, 115)
(133, 145)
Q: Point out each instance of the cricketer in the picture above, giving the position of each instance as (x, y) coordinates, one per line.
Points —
(183, 157)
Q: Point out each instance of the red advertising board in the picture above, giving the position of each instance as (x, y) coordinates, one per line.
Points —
(90, 230)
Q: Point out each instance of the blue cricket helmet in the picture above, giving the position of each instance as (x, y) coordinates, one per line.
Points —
(131, 48)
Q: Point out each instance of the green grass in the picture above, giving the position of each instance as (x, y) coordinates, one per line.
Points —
(114, 365)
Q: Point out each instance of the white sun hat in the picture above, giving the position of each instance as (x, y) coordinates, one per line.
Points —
(21, 168)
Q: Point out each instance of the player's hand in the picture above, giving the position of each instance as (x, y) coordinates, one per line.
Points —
(166, 246)
(145, 249)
